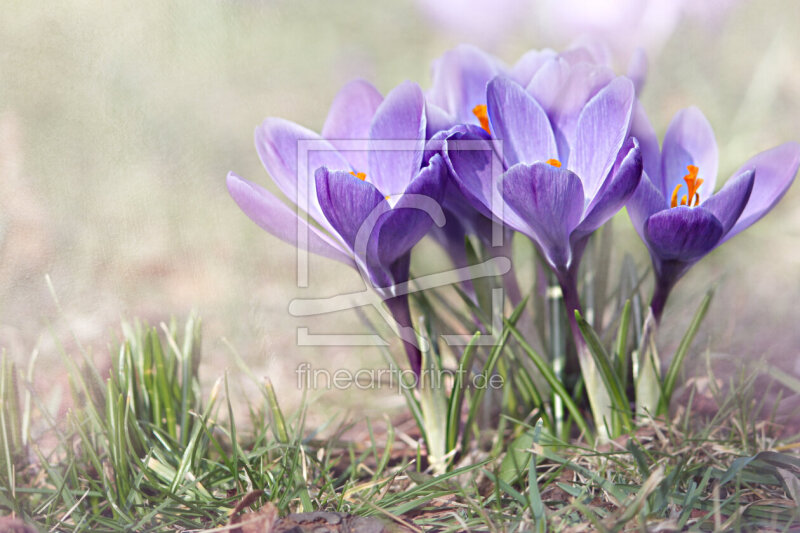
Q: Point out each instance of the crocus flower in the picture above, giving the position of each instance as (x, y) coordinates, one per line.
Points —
(372, 204)
(566, 169)
(561, 82)
(565, 172)
(460, 76)
(675, 210)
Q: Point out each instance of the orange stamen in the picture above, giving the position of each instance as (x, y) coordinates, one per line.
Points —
(554, 162)
(693, 183)
(359, 175)
(482, 114)
(674, 202)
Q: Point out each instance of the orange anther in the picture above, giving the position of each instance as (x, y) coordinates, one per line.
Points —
(359, 175)
(482, 114)
(693, 183)
(674, 202)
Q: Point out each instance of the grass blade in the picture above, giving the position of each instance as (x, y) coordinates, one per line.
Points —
(671, 376)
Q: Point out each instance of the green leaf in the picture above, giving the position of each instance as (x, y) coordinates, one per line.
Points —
(763, 463)
(534, 497)
(278, 422)
(622, 343)
(610, 379)
(555, 384)
(517, 458)
(457, 395)
(671, 376)
(488, 368)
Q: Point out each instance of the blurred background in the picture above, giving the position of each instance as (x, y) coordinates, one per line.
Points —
(120, 120)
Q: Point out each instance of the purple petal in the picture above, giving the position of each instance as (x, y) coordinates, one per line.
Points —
(645, 201)
(349, 118)
(545, 85)
(411, 217)
(689, 141)
(562, 87)
(550, 201)
(347, 203)
(277, 143)
(648, 142)
(434, 145)
(775, 172)
(682, 233)
(476, 170)
(401, 116)
(602, 128)
(616, 190)
(588, 50)
(276, 218)
(460, 76)
(584, 81)
(518, 120)
(729, 202)
(436, 120)
(585, 53)
(526, 67)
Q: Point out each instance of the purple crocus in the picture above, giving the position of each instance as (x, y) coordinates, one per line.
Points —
(567, 167)
(373, 202)
(675, 210)
(561, 82)
(564, 172)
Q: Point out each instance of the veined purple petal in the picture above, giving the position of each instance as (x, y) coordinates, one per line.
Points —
(689, 141)
(401, 116)
(277, 143)
(648, 142)
(349, 119)
(545, 85)
(583, 82)
(683, 234)
(437, 120)
(476, 171)
(412, 216)
(645, 201)
(275, 217)
(518, 120)
(460, 76)
(775, 171)
(729, 202)
(526, 67)
(550, 201)
(434, 145)
(615, 191)
(347, 203)
(602, 128)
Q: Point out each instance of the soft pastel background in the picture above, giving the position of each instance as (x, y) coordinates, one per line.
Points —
(120, 120)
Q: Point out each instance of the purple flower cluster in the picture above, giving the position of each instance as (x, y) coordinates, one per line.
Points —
(551, 147)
